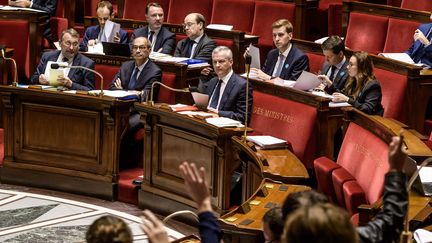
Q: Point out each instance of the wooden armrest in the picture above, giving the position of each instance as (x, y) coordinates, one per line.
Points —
(368, 211)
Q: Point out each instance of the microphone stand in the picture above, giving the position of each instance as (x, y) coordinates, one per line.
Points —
(248, 62)
(406, 236)
(151, 103)
(15, 80)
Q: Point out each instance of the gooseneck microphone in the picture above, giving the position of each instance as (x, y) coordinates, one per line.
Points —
(184, 90)
(15, 80)
(248, 61)
(61, 65)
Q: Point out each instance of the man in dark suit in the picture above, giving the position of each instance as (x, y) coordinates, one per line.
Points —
(76, 79)
(286, 61)
(198, 45)
(334, 71)
(227, 91)
(421, 48)
(162, 40)
(104, 11)
(49, 6)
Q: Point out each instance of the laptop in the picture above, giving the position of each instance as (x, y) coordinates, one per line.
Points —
(423, 187)
(116, 49)
(201, 100)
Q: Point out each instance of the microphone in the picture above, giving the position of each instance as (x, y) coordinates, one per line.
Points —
(61, 65)
(248, 61)
(15, 80)
(184, 90)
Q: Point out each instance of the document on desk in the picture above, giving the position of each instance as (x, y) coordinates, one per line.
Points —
(339, 104)
(401, 57)
(255, 55)
(307, 81)
(267, 142)
(223, 122)
(53, 74)
(3, 7)
(220, 27)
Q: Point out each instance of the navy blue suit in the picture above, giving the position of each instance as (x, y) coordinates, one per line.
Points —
(150, 73)
(203, 49)
(233, 101)
(417, 51)
(339, 80)
(294, 64)
(81, 79)
(165, 39)
(92, 33)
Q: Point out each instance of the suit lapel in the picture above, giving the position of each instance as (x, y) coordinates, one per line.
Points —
(76, 62)
(141, 79)
(199, 45)
(128, 74)
(288, 60)
(342, 72)
(159, 38)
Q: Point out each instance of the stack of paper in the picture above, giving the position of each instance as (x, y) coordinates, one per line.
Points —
(223, 122)
(182, 107)
(267, 142)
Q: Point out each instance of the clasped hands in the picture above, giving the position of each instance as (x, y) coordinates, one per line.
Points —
(418, 35)
(19, 3)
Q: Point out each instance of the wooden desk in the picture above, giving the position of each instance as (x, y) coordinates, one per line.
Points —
(62, 141)
(172, 138)
(419, 210)
(36, 22)
(240, 40)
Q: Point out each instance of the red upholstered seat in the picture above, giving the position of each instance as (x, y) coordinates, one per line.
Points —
(238, 13)
(335, 18)
(324, 168)
(399, 35)
(17, 39)
(108, 72)
(267, 12)
(393, 86)
(181, 8)
(315, 62)
(429, 141)
(165, 95)
(422, 5)
(339, 177)
(224, 42)
(135, 9)
(359, 31)
(288, 120)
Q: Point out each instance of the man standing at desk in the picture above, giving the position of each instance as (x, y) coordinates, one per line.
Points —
(227, 91)
(104, 11)
(162, 40)
(75, 78)
(286, 61)
(198, 45)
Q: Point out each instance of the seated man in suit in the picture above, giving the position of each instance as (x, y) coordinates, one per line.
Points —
(334, 71)
(227, 91)
(48, 6)
(76, 78)
(286, 61)
(93, 34)
(421, 48)
(162, 40)
(198, 45)
(138, 74)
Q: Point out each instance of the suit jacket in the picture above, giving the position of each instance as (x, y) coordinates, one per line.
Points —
(150, 73)
(49, 6)
(202, 51)
(233, 101)
(294, 64)
(340, 78)
(92, 33)
(165, 39)
(81, 79)
(209, 228)
(369, 99)
(418, 52)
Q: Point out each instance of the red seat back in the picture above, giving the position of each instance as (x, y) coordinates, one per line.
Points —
(90, 7)
(324, 4)
(267, 12)
(399, 35)
(17, 39)
(421, 5)
(238, 13)
(108, 72)
(181, 8)
(315, 62)
(288, 120)
(165, 95)
(359, 33)
(393, 87)
(365, 157)
(135, 9)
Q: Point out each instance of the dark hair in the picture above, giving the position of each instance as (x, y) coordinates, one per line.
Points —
(319, 223)
(303, 198)
(334, 43)
(283, 23)
(107, 4)
(199, 18)
(273, 218)
(365, 74)
(152, 4)
(109, 229)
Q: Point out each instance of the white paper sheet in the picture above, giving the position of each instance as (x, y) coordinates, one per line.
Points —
(255, 55)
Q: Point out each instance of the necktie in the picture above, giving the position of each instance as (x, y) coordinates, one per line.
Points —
(151, 37)
(332, 72)
(133, 79)
(215, 98)
(189, 47)
(280, 65)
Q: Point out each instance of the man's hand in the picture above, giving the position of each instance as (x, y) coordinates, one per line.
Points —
(196, 185)
(418, 35)
(153, 228)
(20, 3)
(397, 155)
(91, 42)
(42, 79)
(117, 37)
(260, 74)
(206, 71)
(117, 84)
(325, 80)
(246, 53)
(64, 81)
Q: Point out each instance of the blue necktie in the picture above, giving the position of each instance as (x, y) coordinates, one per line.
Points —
(189, 47)
(133, 79)
(215, 98)
(332, 72)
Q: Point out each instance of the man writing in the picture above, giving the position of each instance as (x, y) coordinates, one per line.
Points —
(162, 40)
(104, 11)
(77, 79)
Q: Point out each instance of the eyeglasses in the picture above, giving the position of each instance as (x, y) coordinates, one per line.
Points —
(139, 47)
(188, 25)
(68, 44)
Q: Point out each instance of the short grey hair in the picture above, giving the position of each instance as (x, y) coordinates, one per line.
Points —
(224, 49)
